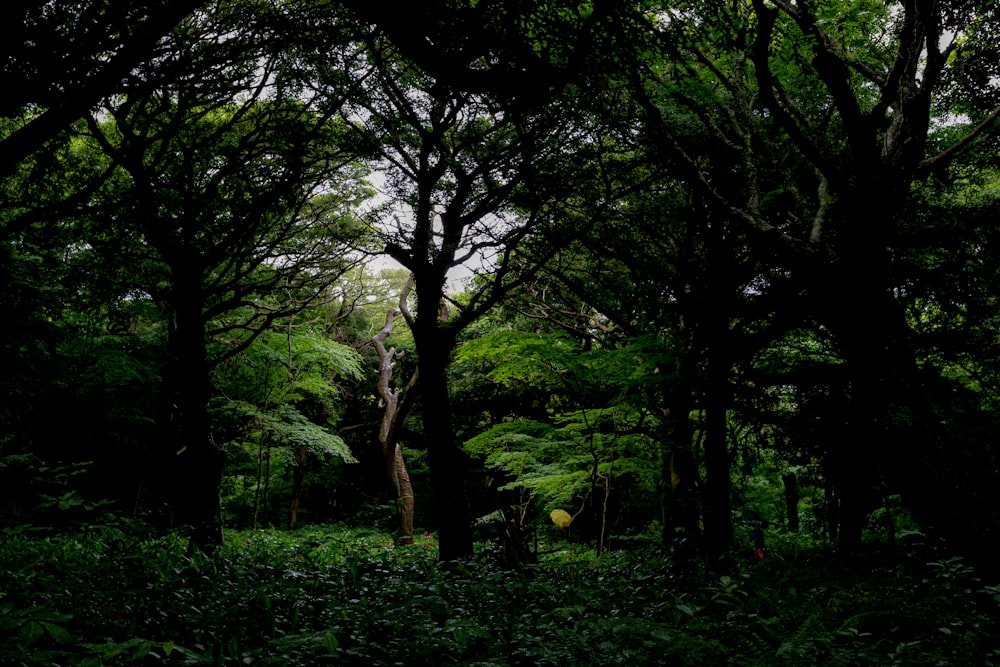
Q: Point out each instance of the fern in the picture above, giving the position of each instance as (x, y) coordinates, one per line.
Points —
(291, 428)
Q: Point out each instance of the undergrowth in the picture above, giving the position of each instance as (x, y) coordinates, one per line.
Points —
(335, 596)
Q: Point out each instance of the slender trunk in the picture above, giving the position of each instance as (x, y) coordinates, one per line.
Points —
(717, 510)
(267, 482)
(603, 529)
(791, 482)
(395, 410)
(260, 480)
(301, 456)
(830, 505)
(679, 468)
(405, 495)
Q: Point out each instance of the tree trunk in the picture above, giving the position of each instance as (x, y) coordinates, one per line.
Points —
(884, 436)
(791, 483)
(717, 508)
(260, 480)
(855, 457)
(197, 461)
(301, 456)
(830, 505)
(267, 483)
(405, 495)
(863, 309)
(392, 417)
(679, 468)
(448, 465)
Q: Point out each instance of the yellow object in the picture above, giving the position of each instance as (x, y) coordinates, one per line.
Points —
(561, 518)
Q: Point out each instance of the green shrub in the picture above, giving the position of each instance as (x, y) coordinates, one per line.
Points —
(332, 595)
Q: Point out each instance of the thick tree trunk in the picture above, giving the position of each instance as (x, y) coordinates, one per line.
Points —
(872, 333)
(856, 458)
(679, 468)
(197, 461)
(717, 510)
(448, 465)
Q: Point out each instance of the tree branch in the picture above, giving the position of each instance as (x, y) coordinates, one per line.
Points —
(945, 156)
(74, 105)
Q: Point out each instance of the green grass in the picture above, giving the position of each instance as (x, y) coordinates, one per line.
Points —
(339, 596)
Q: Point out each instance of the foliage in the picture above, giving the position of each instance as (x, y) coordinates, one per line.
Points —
(746, 262)
(331, 595)
(591, 453)
(278, 405)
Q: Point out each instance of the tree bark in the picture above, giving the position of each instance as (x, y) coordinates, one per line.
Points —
(405, 495)
(791, 482)
(862, 313)
(679, 468)
(198, 463)
(395, 409)
(718, 523)
(447, 462)
(717, 507)
(300, 455)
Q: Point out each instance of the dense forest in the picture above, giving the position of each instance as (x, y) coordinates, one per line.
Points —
(493, 332)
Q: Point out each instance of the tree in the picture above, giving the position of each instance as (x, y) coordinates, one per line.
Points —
(588, 452)
(885, 105)
(238, 205)
(835, 112)
(276, 408)
(470, 179)
(63, 60)
(395, 408)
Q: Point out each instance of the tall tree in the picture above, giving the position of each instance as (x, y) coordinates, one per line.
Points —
(237, 191)
(469, 178)
(833, 107)
(395, 404)
(63, 59)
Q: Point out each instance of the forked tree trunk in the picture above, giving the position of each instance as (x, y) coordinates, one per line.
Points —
(395, 408)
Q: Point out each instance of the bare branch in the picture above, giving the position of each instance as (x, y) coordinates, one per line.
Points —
(404, 298)
(952, 151)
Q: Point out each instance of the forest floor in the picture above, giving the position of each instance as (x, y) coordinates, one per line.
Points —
(114, 595)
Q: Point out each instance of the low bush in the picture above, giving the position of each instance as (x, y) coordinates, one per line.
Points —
(116, 595)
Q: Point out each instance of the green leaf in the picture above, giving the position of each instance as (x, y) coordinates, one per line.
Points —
(57, 632)
(30, 633)
(290, 427)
